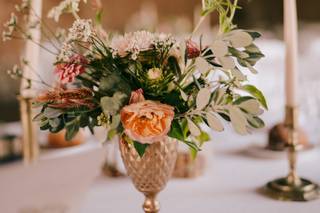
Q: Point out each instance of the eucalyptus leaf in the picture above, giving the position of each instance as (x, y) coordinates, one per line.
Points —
(203, 65)
(44, 122)
(256, 93)
(220, 48)
(227, 62)
(194, 129)
(238, 74)
(54, 122)
(252, 48)
(238, 120)
(255, 121)
(239, 38)
(52, 113)
(252, 106)
(251, 68)
(214, 122)
(203, 98)
(218, 96)
(39, 117)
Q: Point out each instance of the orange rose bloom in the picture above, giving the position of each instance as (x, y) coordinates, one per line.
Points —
(147, 121)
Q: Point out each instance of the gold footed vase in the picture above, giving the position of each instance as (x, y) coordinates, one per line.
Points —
(150, 173)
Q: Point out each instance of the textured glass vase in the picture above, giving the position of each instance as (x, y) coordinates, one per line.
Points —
(150, 173)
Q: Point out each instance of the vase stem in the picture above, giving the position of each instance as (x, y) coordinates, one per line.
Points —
(151, 205)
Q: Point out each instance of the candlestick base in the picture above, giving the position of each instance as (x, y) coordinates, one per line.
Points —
(285, 189)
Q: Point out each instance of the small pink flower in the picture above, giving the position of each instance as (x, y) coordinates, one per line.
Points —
(136, 96)
(192, 49)
(67, 72)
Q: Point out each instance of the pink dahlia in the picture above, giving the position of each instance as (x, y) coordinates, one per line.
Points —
(67, 72)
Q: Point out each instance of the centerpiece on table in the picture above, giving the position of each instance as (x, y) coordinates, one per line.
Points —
(149, 89)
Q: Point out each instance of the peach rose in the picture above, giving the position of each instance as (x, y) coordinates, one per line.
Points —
(147, 121)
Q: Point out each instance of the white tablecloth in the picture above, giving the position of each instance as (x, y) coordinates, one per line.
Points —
(229, 185)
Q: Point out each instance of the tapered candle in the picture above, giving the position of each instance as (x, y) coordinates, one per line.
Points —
(291, 59)
(32, 51)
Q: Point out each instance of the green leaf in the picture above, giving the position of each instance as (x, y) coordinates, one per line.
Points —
(54, 122)
(98, 17)
(193, 128)
(257, 94)
(239, 38)
(242, 99)
(220, 48)
(52, 113)
(203, 137)
(251, 106)
(111, 134)
(203, 98)
(140, 148)
(255, 121)
(176, 131)
(193, 153)
(214, 122)
(238, 120)
(254, 35)
(71, 131)
(38, 117)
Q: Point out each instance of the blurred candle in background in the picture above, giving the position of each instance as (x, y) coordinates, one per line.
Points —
(32, 50)
(291, 61)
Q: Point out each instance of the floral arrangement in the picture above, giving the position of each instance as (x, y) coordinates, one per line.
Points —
(144, 86)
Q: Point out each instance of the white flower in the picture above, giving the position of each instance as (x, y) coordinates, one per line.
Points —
(142, 40)
(154, 73)
(66, 6)
(25, 5)
(163, 39)
(10, 27)
(132, 43)
(66, 52)
(81, 30)
(120, 46)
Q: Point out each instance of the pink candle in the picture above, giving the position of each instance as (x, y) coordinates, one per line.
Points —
(291, 61)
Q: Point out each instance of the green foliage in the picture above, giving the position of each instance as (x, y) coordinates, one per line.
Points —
(256, 93)
(226, 10)
(140, 148)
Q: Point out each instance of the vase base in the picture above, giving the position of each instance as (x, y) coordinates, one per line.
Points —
(151, 205)
(282, 189)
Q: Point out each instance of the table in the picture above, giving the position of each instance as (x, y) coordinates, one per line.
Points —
(230, 184)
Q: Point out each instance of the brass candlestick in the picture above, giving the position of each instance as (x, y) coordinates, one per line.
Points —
(30, 145)
(292, 187)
